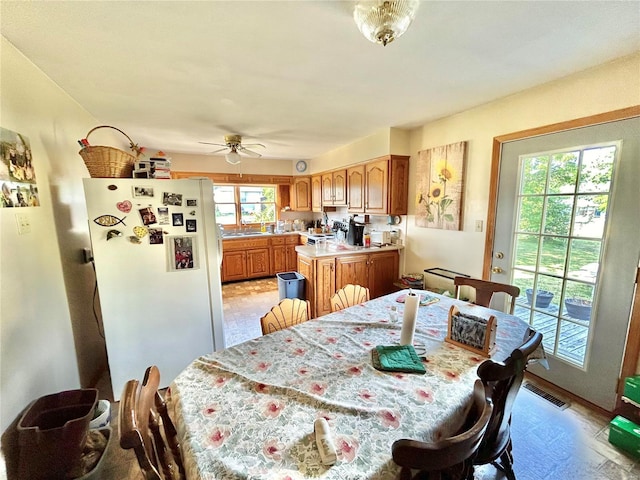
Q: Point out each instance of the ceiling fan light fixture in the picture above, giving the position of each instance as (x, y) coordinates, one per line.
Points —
(382, 21)
(233, 157)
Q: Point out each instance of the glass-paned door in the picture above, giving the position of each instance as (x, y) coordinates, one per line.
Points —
(567, 233)
(561, 216)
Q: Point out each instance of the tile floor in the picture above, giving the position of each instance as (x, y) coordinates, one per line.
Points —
(549, 443)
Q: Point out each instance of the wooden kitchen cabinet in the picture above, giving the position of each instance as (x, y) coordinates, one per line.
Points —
(379, 186)
(324, 275)
(316, 193)
(355, 189)
(301, 194)
(376, 271)
(284, 257)
(234, 266)
(334, 188)
(245, 258)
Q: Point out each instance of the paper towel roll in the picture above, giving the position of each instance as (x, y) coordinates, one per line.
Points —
(411, 304)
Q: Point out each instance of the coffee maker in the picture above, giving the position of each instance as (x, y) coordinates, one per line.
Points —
(355, 233)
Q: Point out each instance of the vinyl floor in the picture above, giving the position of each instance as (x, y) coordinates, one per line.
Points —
(549, 443)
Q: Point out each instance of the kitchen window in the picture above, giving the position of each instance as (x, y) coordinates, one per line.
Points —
(245, 204)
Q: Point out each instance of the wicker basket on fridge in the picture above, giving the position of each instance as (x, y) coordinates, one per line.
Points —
(109, 162)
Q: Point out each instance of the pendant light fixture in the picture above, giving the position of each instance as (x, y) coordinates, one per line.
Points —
(382, 21)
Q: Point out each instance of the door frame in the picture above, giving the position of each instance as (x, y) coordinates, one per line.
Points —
(632, 347)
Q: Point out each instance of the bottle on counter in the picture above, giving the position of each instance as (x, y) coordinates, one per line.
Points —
(366, 240)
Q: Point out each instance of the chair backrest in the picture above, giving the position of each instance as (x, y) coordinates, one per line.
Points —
(142, 411)
(348, 296)
(485, 290)
(290, 311)
(502, 382)
(452, 456)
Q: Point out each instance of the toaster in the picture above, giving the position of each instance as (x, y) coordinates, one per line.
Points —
(383, 238)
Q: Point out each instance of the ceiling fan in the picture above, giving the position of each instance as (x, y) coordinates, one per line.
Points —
(234, 144)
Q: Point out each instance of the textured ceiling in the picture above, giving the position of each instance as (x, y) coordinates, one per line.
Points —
(298, 76)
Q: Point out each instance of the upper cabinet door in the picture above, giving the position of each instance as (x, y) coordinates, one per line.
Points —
(340, 187)
(376, 186)
(301, 201)
(327, 189)
(355, 186)
(316, 193)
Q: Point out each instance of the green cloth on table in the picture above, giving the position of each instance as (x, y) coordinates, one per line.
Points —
(397, 358)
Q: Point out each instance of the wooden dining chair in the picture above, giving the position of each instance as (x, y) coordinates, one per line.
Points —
(450, 458)
(290, 311)
(485, 290)
(348, 296)
(502, 382)
(142, 412)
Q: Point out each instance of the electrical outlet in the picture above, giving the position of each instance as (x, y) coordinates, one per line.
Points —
(479, 225)
(86, 255)
(24, 224)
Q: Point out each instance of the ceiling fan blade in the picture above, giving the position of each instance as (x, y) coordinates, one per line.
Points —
(252, 145)
(249, 153)
(218, 144)
(216, 151)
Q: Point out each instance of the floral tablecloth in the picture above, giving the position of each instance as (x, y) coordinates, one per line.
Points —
(248, 411)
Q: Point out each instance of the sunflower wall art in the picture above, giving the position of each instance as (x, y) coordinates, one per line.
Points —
(440, 186)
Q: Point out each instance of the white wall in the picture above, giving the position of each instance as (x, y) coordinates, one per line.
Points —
(606, 88)
(48, 337)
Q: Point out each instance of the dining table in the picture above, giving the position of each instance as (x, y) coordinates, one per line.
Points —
(248, 411)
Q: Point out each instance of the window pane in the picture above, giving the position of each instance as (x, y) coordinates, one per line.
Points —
(526, 251)
(226, 213)
(584, 260)
(578, 298)
(224, 194)
(553, 253)
(530, 214)
(597, 168)
(534, 175)
(591, 211)
(563, 172)
(558, 215)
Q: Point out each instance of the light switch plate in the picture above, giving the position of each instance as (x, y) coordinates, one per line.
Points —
(24, 223)
(479, 225)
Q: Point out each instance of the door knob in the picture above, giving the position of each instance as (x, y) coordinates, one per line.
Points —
(499, 255)
(497, 270)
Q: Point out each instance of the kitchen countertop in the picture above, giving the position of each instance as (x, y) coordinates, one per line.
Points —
(244, 235)
(335, 250)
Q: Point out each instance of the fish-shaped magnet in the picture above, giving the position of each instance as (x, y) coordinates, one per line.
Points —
(134, 239)
(124, 206)
(109, 220)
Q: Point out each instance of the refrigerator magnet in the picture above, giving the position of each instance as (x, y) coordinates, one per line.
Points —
(156, 236)
(192, 202)
(148, 217)
(174, 199)
(142, 192)
(182, 253)
(178, 220)
(191, 225)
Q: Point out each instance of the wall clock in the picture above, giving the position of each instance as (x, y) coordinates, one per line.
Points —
(301, 166)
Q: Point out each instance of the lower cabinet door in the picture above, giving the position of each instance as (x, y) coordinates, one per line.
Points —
(258, 263)
(234, 266)
(383, 272)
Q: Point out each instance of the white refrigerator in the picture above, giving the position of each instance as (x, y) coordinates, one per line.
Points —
(157, 254)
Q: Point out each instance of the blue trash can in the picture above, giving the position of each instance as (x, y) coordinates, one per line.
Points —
(291, 285)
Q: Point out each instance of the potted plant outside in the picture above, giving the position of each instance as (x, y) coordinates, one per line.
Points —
(578, 308)
(543, 297)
